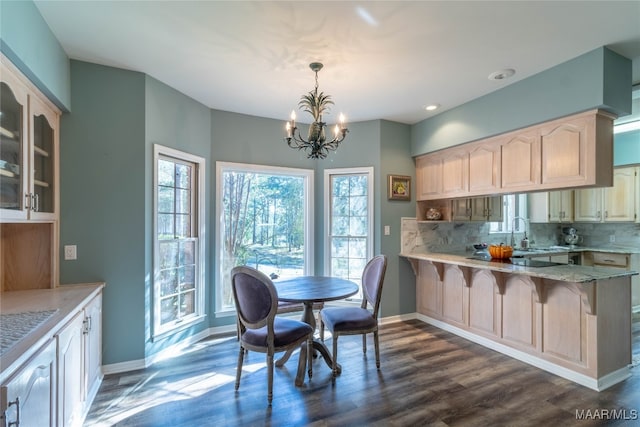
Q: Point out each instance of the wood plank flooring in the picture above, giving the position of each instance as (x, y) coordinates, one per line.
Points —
(428, 377)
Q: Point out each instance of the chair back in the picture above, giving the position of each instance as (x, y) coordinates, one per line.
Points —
(255, 297)
(372, 280)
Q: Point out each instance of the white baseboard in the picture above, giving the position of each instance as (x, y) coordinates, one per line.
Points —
(171, 351)
(592, 383)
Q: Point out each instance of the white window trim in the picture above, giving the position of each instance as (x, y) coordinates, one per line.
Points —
(159, 331)
(327, 212)
(308, 174)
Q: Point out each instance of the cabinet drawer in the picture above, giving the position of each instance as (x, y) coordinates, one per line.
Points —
(613, 260)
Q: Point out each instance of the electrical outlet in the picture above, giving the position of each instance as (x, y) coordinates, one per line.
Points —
(612, 238)
(70, 252)
(387, 230)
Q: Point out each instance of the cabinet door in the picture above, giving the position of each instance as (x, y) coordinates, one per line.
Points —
(588, 205)
(561, 206)
(70, 384)
(13, 147)
(564, 150)
(520, 161)
(484, 167)
(495, 208)
(93, 347)
(44, 161)
(28, 398)
(619, 200)
(461, 209)
(428, 177)
(538, 207)
(455, 173)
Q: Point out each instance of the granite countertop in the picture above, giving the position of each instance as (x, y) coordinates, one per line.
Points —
(31, 318)
(564, 272)
(610, 248)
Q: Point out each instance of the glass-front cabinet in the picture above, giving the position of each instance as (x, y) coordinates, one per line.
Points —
(28, 153)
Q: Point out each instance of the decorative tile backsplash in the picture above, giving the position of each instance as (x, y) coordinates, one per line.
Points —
(460, 236)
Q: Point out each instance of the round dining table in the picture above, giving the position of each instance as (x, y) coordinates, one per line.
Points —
(309, 290)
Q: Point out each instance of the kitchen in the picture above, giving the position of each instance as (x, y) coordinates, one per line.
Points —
(111, 100)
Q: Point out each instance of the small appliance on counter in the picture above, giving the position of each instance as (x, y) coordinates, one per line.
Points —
(570, 236)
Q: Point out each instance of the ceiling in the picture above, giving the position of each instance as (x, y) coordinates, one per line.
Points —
(382, 60)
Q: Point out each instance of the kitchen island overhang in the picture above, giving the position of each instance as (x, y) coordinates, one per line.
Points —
(573, 321)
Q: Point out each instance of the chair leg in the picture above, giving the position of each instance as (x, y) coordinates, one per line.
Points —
(239, 368)
(302, 362)
(310, 356)
(364, 343)
(377, 345)
(334, 368)
(270, 378)
(321, 323)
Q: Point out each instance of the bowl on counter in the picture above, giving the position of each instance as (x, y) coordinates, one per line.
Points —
(500, 251)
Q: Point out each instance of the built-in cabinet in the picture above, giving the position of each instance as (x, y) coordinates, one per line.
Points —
(618, 203)
(575, 151)
(630, 261)
(28, 398)
(55, 386)
(477, 209)
(79, 363)
(29, 184)
(611, 204)
(551, 206)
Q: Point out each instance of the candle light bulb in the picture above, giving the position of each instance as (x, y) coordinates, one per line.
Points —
(293, 115)
(342, 120)
(336, 130)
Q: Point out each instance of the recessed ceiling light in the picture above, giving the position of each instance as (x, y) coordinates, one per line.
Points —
(502, 74)
(432, 107)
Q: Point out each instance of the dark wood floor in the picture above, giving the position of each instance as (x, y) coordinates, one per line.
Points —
(428, 377)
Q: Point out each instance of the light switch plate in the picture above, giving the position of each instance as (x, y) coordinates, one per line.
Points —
(387, 230)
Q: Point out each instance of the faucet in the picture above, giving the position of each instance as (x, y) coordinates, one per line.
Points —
(513, 227)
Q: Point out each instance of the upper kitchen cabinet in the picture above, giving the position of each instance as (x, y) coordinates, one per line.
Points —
(484, 168)
(577, 151)
(29, 149)
(572, 152)
(551, 206)
(520, 160)
(455, 172)
(611, 204)
(428, 177)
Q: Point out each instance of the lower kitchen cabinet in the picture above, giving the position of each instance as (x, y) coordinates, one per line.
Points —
(56, 385)
(29, 396)
(79, 363)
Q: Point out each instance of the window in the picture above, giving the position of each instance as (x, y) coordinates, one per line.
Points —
(178, 247)
(265, 220)
(349, 221)
(514, 206)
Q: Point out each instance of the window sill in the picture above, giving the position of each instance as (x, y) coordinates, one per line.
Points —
(179, 327)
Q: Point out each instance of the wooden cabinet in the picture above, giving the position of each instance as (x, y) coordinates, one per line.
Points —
(484, 168)
(70, 359)
(79, 363)
(477, 209)
(577, 151)
(29, 135)
(455, 173)
(428, 177)
(520, 160)
(571, 152)
(611, 204)
(622, 261)
(550, 206)
(29, 184)
(29, 396)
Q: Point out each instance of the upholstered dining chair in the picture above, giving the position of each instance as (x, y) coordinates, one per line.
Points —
(256, 300)
(358, 320)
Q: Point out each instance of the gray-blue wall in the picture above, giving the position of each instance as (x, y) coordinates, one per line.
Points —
(25, 38)
(598, 79)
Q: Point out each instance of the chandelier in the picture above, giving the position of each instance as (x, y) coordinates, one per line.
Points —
(315, 104)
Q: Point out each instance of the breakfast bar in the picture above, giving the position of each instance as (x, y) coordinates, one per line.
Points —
(573, 321)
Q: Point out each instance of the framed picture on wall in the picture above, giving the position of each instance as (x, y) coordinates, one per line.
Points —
(399, 187)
